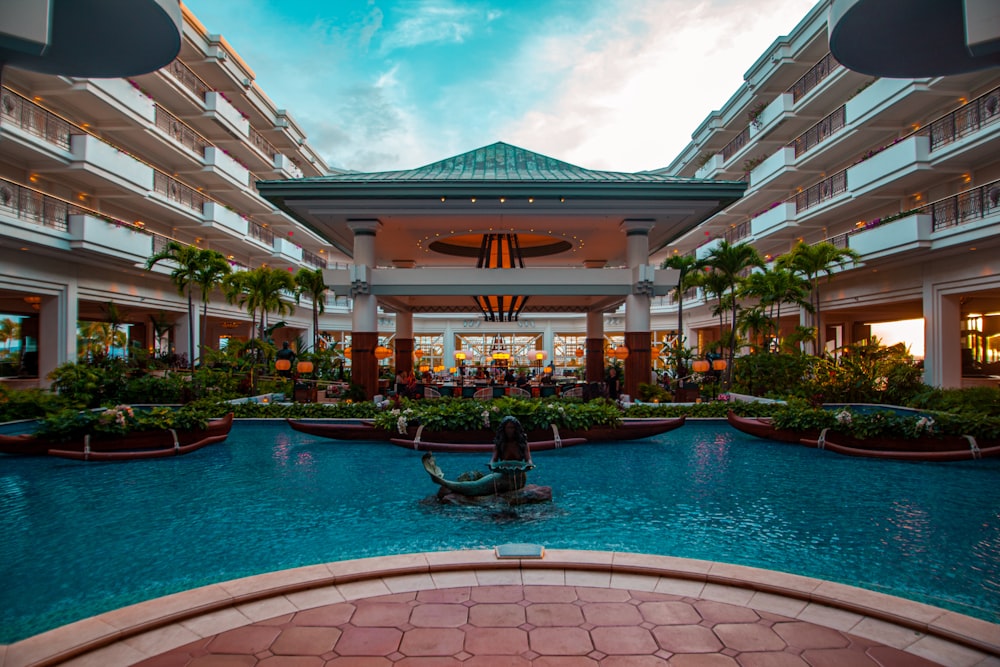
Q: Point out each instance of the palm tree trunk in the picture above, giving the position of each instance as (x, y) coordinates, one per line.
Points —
(191, 313)
(315, 325)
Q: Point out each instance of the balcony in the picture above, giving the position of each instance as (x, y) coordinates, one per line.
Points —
(181, 132)
(819, 132)
(218, 216)
(109, 98)
(967, 207)
(107, 164)
(118, 241)
(774, 221)
(827, 189)
(226, 114)
(736, 145)
(903, 235)
(284, 165)
(777, 171)
(814, 77)
(705, 250)
(894, 165)
(34, 207)
(712, 167)
(218, 162)
(33, 131)
(172, 190)
(313, 260)
(884, 101)
(260, 236)
(286, 252)
(772, 115)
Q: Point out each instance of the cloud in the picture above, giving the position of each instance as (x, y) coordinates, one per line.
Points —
(430, 22)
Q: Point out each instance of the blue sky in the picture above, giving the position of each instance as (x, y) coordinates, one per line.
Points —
(395, 84)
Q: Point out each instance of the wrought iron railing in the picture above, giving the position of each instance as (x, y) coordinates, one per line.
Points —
(970, 118)
(188, 78)
(736, 234)
(813, 77)
(36, 207)
(261, 233)
(826, 189)
(965, 207)
(31, 118)
(835, 122)
(736, 145)
(840, 240)
(180, 131)
(262, 144)
(176, 191)
(312, 259)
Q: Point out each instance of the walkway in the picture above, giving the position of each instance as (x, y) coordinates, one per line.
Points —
(569, 608)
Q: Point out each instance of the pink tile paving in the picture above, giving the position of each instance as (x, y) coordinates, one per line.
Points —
(533, 625)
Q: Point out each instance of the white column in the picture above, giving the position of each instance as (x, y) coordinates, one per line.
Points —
(57, 331)
(181, 335)
(637, 317)
(404, 324)
(595, 324)
(942, 338)
(549, 341)
(365, 316)
(449, 345)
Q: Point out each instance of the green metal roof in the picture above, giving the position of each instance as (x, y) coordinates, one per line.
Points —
(495, 163)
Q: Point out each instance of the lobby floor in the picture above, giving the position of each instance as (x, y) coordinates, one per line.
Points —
(569, 608)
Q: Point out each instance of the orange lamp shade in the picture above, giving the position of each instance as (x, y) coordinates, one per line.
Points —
(541, 355)
(548, 369)
(283, 364)
(424, 368)
(461, 355)
(701, 366)
(304, 367)
(719, 365)
(621, 353)
(417, 354)
(382, 352)
(347, 352)
(579, 352)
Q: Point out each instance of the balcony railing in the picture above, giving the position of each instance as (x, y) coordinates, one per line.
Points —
(825, 189)
(835, 122)
(312, 259)
(737, 144)
(180, 131)
(31, 118)
(739, 232)
(176, 191)
(962, 122)
(262, 144)
(188, 78)
(36, 207)
(813, 77)
(261, 233)
(840, 240)
(965, 207)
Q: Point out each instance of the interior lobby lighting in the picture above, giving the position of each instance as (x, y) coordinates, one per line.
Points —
(500, 251)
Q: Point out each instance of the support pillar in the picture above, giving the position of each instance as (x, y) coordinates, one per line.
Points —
(595, 346)
(181, 337)
(364, 322)
(942, 338)
(58, 315)
(638, 332)
(404, 342)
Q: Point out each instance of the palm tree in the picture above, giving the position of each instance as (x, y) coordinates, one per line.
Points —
(260, 290)
(9, 330)
(686, 266)
(810, 261)
(773, 287)
(311, 283)
(186, 261)
(211, 270)
(715, 285)
(731, 261)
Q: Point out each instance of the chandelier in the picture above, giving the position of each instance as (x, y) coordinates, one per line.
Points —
(500, 251)
(498, 350)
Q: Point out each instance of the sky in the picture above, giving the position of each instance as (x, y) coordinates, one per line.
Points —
(396, 84)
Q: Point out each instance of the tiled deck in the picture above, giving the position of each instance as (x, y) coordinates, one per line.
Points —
(570, 608)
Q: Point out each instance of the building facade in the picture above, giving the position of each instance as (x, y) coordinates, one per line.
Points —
(96, 175)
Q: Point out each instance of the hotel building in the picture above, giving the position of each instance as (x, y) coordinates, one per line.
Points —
(98, 174)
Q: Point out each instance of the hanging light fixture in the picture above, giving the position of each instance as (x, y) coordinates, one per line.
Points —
(500, 251)
(499, 351)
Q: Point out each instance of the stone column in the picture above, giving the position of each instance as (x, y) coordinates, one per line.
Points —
(181, 335)
(637, 318)
(57, 331)
(595, 346)
(404, 341)
(942, 338)
(364, 322)
(549, 345)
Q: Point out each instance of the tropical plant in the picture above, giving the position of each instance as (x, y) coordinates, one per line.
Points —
(811, 262)
(98, 338)
(731, 261)
(9, 331)
(210, 271)
(773, 287)
(714, 284)
(161, 326)
(260, 291)
(311, 283)
(183, 274)
(686, 266)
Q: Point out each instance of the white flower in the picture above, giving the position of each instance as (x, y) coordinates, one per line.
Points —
(844, 417)
(401, 425)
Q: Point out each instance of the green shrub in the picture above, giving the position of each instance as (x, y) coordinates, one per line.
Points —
(773, 375)
(27, 403)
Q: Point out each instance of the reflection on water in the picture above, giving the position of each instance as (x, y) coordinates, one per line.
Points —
(270, 498)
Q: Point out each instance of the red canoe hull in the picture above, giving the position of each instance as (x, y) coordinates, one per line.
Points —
(478, 447)
(630, 429)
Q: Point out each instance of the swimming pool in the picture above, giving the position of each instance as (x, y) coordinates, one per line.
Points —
(81, 539)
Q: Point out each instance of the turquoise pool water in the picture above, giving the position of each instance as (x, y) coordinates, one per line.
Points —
(80, 539)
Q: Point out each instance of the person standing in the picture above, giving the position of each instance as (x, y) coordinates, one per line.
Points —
(614, 384)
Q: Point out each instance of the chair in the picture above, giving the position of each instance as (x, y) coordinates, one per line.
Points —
(517, 392)
(431, 392)
(575, 392)
(484, 393)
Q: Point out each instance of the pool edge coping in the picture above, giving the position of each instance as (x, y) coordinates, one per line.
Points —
(98, 632)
